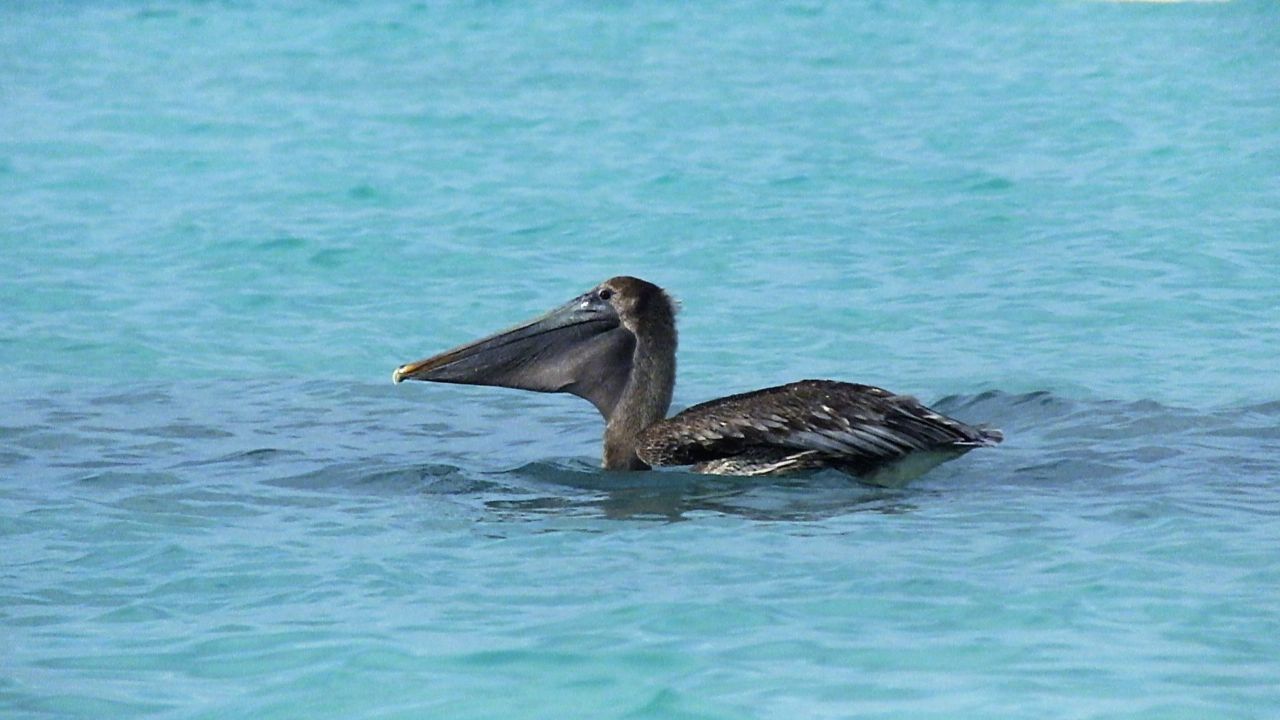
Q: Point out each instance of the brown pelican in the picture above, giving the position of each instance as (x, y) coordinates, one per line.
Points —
(615, 346)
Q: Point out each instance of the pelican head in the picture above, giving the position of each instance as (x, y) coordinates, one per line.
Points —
(614, 345)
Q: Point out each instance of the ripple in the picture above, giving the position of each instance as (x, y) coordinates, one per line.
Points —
(118, 479)
(431, 478)
(257, 457)
(188, 431)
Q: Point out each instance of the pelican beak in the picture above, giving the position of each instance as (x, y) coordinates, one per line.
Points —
(543, 354)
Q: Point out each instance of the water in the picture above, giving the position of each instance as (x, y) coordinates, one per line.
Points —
(224, 224)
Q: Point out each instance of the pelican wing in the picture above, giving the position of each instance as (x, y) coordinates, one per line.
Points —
(858, 427)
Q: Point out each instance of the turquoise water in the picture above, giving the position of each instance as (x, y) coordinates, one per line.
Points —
(224, 224)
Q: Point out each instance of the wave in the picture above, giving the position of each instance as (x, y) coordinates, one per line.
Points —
(357, 439)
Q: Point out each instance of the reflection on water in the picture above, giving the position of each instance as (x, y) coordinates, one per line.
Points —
(676, 495)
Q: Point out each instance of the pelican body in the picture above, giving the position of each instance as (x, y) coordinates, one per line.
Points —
(615, 346)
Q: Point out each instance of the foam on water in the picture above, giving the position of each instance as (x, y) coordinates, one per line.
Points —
(223, 225)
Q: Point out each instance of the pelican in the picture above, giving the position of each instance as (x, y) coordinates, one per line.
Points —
(615, 346)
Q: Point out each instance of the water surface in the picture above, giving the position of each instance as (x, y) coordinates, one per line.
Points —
(223, 225)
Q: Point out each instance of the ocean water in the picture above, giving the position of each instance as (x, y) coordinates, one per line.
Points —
(223, 224)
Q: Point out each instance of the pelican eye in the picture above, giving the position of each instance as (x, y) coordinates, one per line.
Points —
(605, 293)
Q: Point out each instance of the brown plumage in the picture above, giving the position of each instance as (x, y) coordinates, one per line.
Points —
(615, 346)
(858, 429)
